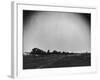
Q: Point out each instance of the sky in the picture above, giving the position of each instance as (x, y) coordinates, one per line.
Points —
(61, 31)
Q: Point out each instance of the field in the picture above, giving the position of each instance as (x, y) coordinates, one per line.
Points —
(55, 61)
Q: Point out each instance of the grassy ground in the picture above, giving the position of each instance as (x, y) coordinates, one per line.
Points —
(54, 61)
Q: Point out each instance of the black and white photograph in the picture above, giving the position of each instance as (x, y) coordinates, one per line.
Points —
(56, 39)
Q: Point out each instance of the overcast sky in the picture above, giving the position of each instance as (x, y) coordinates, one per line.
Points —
(61, 31)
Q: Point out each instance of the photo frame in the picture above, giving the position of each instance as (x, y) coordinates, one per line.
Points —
(51, 40)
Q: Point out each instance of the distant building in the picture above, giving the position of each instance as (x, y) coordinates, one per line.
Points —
(26, 53)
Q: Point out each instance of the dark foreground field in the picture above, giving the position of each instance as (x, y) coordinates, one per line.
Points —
(55, 61)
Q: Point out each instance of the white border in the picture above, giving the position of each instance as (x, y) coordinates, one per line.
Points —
(17, 30)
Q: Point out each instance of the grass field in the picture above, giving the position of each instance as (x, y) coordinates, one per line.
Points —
(55, 61)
